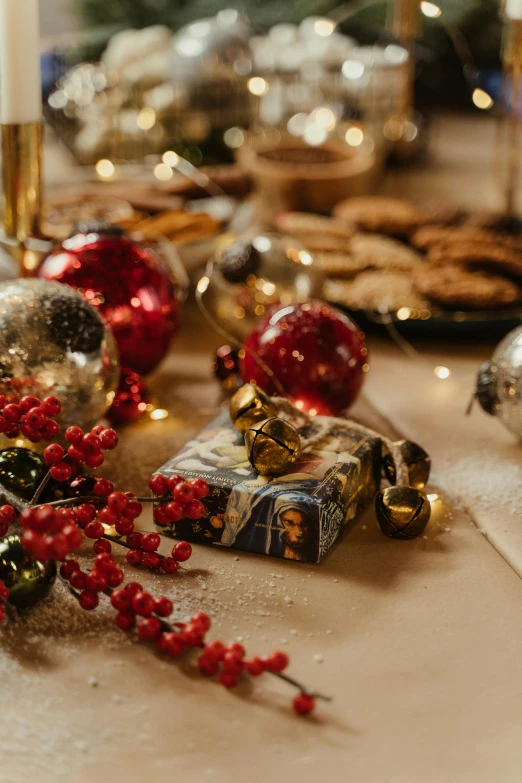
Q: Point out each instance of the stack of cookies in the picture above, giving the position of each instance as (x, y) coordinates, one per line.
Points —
(382, 254)
(150, 208)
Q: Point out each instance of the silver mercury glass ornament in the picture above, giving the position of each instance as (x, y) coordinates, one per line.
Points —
(499, 383)
(52, 341)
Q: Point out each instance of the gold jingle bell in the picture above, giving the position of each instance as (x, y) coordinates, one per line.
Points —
(249, 406)
(28, 580)
(417, 462)
(402, 512)
(272, 446)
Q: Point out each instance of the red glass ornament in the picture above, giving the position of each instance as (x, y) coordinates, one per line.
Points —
(130, 401)
(127, 282)
(317, 353)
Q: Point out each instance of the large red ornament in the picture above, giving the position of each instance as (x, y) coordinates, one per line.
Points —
(317, 354)
(127, 282)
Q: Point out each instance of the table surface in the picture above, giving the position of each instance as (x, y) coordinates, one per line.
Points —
(419, 642)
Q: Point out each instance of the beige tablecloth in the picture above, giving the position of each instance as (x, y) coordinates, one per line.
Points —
(419, 642)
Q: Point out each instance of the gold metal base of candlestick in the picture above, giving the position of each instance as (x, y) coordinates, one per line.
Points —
(22, 188)
(512, 75)
(404, 20)
(512, 43)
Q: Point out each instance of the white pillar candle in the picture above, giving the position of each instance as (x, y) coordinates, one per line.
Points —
(514, 9)
(20, 80)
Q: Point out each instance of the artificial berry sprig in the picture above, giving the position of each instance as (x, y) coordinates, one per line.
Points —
(103, 575)
(177, 498)
(139, 610)
(30, 417)
(142, 551)
(84, 448)
(51, 531)
(119, 510)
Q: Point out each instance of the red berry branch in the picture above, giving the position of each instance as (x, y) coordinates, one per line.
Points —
(137, 610)
(52, 530)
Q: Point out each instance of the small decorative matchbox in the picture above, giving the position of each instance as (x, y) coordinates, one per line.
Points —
(297, 515)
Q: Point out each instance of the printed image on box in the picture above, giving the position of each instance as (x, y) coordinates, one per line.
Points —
(296, 515)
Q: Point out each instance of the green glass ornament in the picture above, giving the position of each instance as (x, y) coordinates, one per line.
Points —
(27, 580)
(21, 471)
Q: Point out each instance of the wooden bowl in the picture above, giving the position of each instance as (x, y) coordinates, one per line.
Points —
(292, 176)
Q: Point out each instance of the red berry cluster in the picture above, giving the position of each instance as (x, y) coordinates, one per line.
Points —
(191, 634)
(133, 602)
(53, 530)
(49, 533)
(230, 662)
(138, 609)
(177, 498)
(7, 515)
(303, 703)
(84, 448)
(104, 574)
(143, 552)
(28, 416)
(120, 511)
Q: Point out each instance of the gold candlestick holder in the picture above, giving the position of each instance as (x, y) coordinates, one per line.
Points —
(512, 67)
(405, 19)
(22, 190)
(405, 24)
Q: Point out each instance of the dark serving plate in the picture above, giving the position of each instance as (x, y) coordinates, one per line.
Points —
(464, 324)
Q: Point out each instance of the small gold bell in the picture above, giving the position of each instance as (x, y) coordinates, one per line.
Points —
(272, 446)
(417, 461)
(402, 512)
(249, 406)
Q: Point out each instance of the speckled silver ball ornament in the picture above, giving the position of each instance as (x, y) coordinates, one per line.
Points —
(53, 342)
(499, 383)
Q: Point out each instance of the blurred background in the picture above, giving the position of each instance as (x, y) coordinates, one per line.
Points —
(192, 120)
(124, 80)
(478, 22)
(57, 16)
